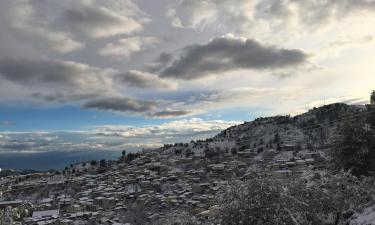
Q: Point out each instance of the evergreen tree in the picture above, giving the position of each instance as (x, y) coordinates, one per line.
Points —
(103, 163)
(354, 146)
(371, 112)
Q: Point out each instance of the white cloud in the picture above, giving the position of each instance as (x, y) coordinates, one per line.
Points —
(264, 19)
(127, 46)
(112, 137)
(176, 22)
(185, 127)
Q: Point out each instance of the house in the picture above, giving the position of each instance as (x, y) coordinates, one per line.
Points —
(47, 214)
(282, 173)
(288, 147)
(13, 204)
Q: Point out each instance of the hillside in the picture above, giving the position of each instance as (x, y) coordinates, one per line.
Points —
(206, 181)
(287, 136)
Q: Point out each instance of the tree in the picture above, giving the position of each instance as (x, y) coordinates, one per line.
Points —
(123, 153)
(188, 153)
(6, 216)
(103, 163)
(276, 138)
(132, 156)
(372, 98)
(354, 146)
(234, 151)
(310, 147)
(278, 147)
(317, 200)
(210, 153)
(371, 112)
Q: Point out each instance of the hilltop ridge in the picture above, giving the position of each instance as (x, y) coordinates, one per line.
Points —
(308, 132)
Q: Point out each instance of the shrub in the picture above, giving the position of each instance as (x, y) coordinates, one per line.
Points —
(329, 200)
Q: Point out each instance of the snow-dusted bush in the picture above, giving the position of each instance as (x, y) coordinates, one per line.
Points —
(331, 199)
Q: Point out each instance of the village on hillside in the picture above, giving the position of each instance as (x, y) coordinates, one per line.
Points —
(146, 189)
(153, 186)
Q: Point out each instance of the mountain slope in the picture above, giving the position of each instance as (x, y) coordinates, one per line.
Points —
(309, 132)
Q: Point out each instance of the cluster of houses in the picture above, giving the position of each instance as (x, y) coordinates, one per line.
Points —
(144, 190)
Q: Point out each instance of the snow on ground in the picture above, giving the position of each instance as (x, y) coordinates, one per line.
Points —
(286, 155)
(366, 217)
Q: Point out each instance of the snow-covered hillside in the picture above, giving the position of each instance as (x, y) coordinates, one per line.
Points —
(289, 136)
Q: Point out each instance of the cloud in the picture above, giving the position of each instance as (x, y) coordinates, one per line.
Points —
(127, 46)
(111, 138)
(176, 22)
(63, 75)
(233, 98)
(229, 53)
(171, 113)
(158, 108)
(139, 79)
(185, 127)
(335, 47)
(350, 42)
(22, 18)
(39, 142)
(6, 123)
(199, 13)
(100, 22)
(121, 104)
(160, 62)
(313, 12)
(62, 97)
(265, 18)
(58, 24)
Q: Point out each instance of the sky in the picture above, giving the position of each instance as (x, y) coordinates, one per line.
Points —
(130, 74)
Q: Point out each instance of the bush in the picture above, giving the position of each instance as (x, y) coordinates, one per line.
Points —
(329, 200)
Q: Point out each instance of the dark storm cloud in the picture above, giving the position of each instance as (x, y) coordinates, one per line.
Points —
(59, 73)
(121, 104)
(229, 53)
(170, 113)
(138, 79)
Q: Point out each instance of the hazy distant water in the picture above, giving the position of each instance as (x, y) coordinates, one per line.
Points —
(51, 160)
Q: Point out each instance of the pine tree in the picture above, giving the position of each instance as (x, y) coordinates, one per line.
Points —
(353, 147)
